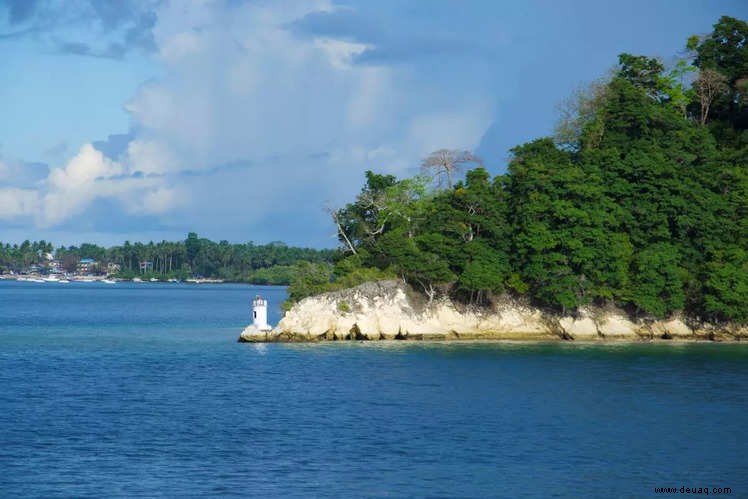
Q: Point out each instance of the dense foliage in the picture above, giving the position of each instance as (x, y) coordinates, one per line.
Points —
(274, 263)
(641, 200)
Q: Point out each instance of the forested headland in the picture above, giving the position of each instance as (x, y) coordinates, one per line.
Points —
(640, 199)
(273, 263)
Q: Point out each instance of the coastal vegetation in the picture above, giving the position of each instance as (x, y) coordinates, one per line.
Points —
(273, 263)
(640, 199)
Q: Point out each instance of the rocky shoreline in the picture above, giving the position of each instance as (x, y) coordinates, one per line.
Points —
(391, 310)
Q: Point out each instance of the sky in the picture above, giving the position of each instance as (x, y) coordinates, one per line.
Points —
(246, 120)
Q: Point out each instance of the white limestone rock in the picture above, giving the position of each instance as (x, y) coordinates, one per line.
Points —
(581, 327)
(252, 334)
(616, 326)
(391, 310)
(673, 328)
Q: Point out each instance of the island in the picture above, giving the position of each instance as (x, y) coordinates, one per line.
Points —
(630, 222)
(392, 310)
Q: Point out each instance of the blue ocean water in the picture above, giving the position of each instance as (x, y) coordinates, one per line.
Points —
(141, 390)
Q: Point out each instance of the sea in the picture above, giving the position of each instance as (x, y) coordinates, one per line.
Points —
(141, 390)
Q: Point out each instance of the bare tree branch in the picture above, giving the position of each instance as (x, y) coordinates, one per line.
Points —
(709, 85)
(447, 162)
(334, 215)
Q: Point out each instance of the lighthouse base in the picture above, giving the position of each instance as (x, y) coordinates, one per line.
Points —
(252, 334)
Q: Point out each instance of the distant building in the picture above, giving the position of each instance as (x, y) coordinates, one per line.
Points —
(112, 268)
(146, 266)
(85, 266)
(56, 267)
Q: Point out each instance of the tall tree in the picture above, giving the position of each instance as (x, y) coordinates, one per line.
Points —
(724, 51)
(709, 85)
(446, 163)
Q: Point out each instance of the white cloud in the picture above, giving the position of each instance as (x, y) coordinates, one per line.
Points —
(15, 202)
(242, 86)
(72, 188)
(238, 85)
(157, 201)
(340, 53)
(88, 165)
(69, 191)
(89, 175)
(150, 156)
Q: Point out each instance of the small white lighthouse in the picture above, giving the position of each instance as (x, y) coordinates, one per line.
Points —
(260, 314)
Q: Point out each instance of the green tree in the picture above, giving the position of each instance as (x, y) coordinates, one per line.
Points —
(192, 247)
(658, 280)
(724, 54)
(726, 285)
(310, 279)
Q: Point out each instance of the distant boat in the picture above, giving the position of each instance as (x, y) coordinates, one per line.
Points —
(137, 279)
(153, 279)
(64, 281)
(37, 280)
(51, 278)
(108, 281)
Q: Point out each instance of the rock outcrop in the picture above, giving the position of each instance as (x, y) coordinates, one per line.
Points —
(391, 310)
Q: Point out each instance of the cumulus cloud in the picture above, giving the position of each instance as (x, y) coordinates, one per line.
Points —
(387, 45)
(241, 85)
(15, 202)
(70, 190)
(151, 157)
(249, 119)
(159, 200)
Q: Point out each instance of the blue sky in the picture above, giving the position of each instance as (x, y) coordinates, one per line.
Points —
(245, 120)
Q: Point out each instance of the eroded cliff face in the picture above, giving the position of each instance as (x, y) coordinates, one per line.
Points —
(390, 310)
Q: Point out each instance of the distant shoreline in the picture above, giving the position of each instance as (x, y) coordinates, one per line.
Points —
(40, 278)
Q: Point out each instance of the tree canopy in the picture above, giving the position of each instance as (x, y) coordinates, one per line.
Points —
(641, 200)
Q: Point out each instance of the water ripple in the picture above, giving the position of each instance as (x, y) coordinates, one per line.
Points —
(104, 406)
